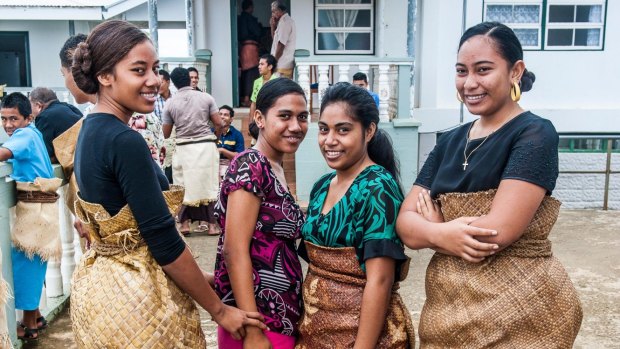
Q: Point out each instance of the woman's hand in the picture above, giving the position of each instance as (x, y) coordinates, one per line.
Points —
(256, 339)
(82, 232)
(428, 208)
(233, 320)
(458, 238)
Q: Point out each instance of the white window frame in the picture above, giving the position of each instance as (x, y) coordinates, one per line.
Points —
(514, 26)
(370, 30)
(576, 25)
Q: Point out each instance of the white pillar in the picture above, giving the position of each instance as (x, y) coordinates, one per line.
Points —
(323, 80)
(53, 279)
(343, 72)
(67, 264)
(303, 78)
(384, 92)
(365, 68)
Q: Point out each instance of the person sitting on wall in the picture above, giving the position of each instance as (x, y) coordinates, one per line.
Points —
(230, 141)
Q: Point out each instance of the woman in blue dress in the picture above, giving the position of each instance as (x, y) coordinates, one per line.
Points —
(356, 259)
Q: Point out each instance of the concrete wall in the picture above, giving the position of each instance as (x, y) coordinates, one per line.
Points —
(587, 190)
(570, 85)
(45, 40)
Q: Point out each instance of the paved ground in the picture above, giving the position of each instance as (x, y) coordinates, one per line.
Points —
(587, 243)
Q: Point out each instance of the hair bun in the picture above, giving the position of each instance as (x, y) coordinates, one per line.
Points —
(527, 80)
(82, 69)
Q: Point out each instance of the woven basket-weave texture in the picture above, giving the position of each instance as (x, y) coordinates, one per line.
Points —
(120, 297)
(332, 292)
(519, 298)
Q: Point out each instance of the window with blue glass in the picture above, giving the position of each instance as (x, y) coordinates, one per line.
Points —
(552, 24)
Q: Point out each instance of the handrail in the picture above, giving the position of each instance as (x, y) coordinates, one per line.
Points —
(607, 172)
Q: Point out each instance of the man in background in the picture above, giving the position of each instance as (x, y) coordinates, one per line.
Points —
(230, 141)
(360, 79)
(248, 34)
(284, 36)
(51, 117)
(194, 78)
(167, 150)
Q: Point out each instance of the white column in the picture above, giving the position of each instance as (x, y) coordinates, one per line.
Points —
(343, 72)
(67, 264)
(323, 80)
(303, 78)
(384, 92)
(53, 279)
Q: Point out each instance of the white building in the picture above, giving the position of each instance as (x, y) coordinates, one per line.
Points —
(571, 45)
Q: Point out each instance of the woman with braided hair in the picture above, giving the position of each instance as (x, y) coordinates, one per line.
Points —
(136, 286)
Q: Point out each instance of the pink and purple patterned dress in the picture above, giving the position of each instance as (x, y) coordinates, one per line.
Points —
(276, 269)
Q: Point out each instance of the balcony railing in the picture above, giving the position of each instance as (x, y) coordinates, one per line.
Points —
(59, 272)
(389, 77)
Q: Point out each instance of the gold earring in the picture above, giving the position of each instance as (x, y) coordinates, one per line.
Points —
(458, 96)
(515, 92)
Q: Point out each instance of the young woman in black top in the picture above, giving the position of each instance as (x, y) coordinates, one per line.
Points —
(482, 202)
(147, 260)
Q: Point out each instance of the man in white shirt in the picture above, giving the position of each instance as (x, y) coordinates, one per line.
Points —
(284, 37)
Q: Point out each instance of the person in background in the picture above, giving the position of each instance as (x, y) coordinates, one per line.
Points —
(355, 256)
(66, 59)
(138, 285)
(360, 79)
(483, 202)
(267, 65)
(194, 78)
(230, 141)
(256, 266)
(167, 151)
(51, 116)
(196, 160)
(284, 36)
(248, 34)
(26, 151)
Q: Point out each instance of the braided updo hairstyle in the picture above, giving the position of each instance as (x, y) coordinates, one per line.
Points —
(106, 45)
(507, 45)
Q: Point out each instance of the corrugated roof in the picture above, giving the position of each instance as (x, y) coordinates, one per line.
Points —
(58, 3)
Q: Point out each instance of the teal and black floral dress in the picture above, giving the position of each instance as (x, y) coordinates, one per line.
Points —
(365, 217)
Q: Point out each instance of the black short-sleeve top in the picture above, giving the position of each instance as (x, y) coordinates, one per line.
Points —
(525, 148)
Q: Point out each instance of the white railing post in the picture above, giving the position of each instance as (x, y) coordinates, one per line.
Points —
(53, 279)
(303, 76)
(343, 72)
(384, 92)
(67, 264)
(323, 80)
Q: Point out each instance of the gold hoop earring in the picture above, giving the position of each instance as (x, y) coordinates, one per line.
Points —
(515, 92)
(458, 97)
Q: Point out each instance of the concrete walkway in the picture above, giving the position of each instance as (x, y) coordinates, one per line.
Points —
(586, 242)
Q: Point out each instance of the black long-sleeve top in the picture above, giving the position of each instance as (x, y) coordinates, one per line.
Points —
(114, 167)
(55, 119)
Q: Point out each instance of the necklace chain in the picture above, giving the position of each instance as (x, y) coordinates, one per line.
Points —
(467, 144)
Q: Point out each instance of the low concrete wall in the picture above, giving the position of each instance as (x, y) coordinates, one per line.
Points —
(587, 190)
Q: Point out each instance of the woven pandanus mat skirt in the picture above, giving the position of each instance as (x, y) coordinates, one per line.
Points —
(332, 292)
(519, 298)
(120, 297)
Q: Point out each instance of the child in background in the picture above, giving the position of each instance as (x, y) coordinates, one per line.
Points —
(26, 151)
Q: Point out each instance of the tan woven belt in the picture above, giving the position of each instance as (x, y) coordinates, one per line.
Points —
(528, 248)
(37, 196)
(126, 243)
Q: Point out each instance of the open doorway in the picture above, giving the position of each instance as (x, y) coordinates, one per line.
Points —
(14, 59)
(253, 35)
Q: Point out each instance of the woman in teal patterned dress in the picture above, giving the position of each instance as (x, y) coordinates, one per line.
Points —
(350, 292)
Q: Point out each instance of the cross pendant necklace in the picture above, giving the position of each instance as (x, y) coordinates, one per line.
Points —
(467, 156)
